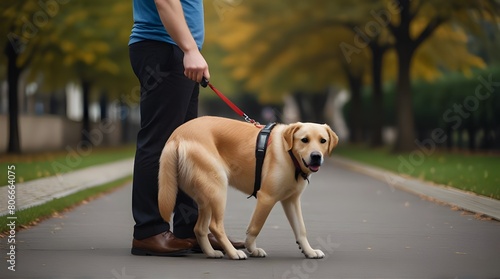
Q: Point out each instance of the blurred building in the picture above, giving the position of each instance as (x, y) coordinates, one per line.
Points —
(53, 120)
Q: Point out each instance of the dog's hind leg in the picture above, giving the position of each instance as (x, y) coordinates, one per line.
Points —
(200, 176)
(201, 231)
(217, 226)
(293, 212)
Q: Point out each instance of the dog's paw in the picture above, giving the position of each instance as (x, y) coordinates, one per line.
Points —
(315, 254)
(238, 255)
(258, 253)
(216, 254)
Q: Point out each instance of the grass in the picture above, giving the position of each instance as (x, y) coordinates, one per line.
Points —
(33, 215)
(34, 166)
(478, 173)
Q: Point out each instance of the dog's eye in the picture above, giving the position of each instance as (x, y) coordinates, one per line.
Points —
(322, 140)
(305, 140)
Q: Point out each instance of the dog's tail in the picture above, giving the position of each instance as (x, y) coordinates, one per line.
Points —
(168, 180)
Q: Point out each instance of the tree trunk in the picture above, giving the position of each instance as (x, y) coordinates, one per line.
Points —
(405, 119)
(13, 74)
(487, 140)
(449, 137)
(496, 138)
(303, 105)
(471, 132)
(103, 105)
(124, 118)
(377, 105)
(318, 102)
(460, 139)
(86, 118)
(356, 113)
(405, 48)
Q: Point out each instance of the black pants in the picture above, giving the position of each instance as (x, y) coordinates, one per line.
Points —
(168, 99)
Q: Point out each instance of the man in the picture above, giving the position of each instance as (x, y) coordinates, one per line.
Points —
(165, 55)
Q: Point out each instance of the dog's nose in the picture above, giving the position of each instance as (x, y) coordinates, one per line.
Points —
(316, 157)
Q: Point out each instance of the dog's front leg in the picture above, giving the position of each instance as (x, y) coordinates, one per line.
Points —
(293, 212)
(260, 214)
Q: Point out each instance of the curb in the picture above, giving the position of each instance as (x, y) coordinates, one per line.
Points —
(451, 196)
(40, 191)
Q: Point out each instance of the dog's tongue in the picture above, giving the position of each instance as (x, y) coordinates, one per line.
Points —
(314, 168)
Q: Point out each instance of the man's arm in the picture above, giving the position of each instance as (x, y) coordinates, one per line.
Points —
(172, 17)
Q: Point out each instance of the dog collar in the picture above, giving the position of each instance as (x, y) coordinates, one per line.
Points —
(260, 153)
(298, 169)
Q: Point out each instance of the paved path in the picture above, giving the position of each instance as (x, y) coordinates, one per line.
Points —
(367, 229)
(40, 191)
(449, 195)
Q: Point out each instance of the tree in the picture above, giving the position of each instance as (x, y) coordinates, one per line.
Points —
(91, 53)
(13, 73)
(354, 77)
(23, 22)
(274, 57)
(435, 13)
(280, 47)
(63, 41)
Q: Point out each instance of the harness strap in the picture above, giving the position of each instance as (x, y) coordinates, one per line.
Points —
(298, 169)
(260, 153)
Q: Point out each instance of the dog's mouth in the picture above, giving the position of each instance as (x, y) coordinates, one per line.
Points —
(314, 166)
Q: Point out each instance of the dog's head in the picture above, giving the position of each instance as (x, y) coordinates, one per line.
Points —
(310, 142)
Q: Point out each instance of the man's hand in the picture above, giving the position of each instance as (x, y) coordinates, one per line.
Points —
(195, 66)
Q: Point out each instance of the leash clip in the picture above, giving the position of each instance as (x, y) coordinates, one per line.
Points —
(251, 121)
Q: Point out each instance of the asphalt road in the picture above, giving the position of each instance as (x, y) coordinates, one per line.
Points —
(366, 229)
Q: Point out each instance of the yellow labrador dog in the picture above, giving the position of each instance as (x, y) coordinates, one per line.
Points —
(205, 155)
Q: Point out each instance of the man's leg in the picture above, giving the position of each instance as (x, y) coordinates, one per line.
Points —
(166, 97)
(186, 209)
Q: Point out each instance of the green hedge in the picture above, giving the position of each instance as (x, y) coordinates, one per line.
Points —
(463, 106)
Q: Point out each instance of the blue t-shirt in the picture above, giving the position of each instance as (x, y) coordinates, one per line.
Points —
(148, 25)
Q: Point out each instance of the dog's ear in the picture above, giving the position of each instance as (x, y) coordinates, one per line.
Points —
(288, 134)
(334, 139)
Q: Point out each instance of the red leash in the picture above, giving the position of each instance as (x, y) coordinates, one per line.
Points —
(204, 82)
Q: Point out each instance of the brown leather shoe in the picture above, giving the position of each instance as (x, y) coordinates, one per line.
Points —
(215, 244)
(163, 244)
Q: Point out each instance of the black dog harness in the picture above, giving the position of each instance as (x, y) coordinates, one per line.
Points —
(260, 153)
